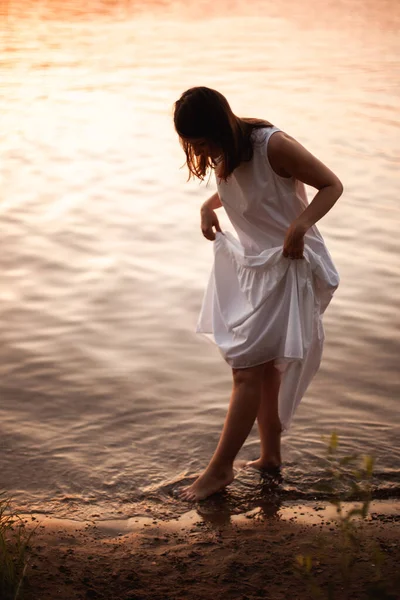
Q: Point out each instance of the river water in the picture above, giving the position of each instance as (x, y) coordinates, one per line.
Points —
(107, 396)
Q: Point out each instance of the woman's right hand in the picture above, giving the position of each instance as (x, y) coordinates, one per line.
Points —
(209, 220)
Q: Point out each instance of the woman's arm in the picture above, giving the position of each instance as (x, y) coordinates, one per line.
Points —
(212, 203)
(208, 217)
(289, 158)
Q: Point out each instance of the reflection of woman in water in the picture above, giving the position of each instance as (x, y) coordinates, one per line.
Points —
(268, 289)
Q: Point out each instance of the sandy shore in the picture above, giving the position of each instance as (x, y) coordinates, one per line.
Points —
(247, 556)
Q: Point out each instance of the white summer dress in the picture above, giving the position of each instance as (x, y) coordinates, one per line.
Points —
(258, 305)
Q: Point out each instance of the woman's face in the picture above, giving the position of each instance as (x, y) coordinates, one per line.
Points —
(201, 146)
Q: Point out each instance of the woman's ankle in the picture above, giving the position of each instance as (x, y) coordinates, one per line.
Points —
(270, 461)
(266, 463)
(219, 467)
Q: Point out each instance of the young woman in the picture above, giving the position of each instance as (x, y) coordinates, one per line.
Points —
(268, 289)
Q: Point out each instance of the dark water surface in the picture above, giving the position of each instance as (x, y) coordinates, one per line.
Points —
(107, 396)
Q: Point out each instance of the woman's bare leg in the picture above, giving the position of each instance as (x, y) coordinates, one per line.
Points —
(268, 422)
(242, 412)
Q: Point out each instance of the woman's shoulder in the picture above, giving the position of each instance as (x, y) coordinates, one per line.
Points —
(262, 134)
(269, 145)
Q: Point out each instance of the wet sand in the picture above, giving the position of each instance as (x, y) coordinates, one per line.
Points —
(250, 556)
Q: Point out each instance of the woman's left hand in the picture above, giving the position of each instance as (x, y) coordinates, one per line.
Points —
(293, 246)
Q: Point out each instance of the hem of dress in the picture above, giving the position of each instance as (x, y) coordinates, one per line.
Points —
(284, 359)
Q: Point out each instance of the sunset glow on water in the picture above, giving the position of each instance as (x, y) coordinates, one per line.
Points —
(106, 393)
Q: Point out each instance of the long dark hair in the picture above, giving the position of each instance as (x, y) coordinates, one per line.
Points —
(202, 112)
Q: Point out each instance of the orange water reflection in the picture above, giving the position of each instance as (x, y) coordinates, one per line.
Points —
(103, 263)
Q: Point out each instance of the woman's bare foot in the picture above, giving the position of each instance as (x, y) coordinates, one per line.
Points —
(210, 482)
(264, 465)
